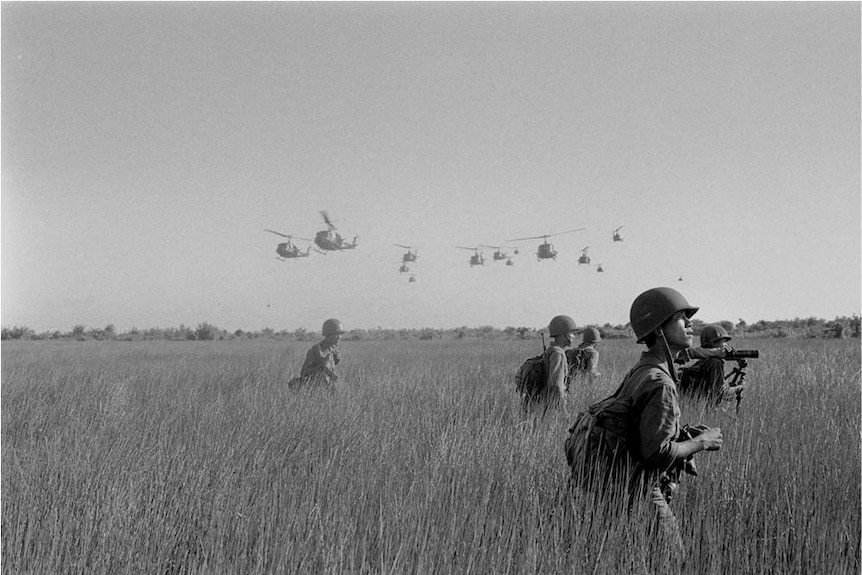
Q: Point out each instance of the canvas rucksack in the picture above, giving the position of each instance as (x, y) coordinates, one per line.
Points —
(577, 359)
(532, 376)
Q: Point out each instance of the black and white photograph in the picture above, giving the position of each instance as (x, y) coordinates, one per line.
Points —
(397, 287)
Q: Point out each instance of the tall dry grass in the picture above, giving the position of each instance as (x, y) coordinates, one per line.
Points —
(193, 457)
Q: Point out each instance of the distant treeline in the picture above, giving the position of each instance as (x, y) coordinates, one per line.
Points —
(811, 327)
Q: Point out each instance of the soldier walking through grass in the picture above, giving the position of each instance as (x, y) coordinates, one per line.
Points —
(631, 445)
(318, 369)
(543, 380)
(584, 359)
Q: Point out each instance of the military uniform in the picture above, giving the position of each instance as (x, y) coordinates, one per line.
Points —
(558, 370)
(320, 363)
(584, 360)
(631, 447)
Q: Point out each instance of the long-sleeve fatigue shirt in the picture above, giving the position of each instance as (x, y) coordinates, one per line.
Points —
(654, 406)
(558, 369)
(590, 359)
(319, 360)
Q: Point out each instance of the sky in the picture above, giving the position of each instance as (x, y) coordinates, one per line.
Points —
(147, 146)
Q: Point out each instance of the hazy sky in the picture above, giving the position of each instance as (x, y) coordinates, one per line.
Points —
(145, 147)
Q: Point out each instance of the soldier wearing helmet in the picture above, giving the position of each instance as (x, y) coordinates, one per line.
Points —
(634, 438)
(561, 329)
(321, 359)
(705, 379)
(584, 359)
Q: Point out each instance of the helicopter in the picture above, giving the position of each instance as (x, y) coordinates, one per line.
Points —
(477, 259)
(410, 255)
(330, 240)
(499, 254)
(617, 236)
(404, 269)
(288, 250)
(584, 259)
(546, 250)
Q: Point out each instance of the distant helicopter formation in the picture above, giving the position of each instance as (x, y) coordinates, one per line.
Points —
(408, 257)
(499, 255)
(327, 240)
(330, 240)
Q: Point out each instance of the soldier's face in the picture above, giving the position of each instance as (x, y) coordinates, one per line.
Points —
(678, 332)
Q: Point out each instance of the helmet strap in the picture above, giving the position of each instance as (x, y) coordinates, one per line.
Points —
(670, 365)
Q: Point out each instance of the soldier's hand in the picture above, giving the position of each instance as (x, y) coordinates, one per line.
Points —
(710, 438)
(696, 430)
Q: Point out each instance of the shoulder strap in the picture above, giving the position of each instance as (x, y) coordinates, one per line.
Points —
(634, 370)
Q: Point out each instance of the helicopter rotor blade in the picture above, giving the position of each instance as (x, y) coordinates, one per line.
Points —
(567, 232)
(287, 236)
(405, 247)
(326, 219)
(530, 238)
(545, 236)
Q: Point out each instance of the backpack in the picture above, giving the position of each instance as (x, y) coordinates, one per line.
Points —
(577, 359)
(532, 376)
(582, 447)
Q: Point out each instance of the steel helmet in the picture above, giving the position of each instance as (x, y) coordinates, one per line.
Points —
(655, 306)
(592, 335)
(332, 326)
(561, 324)
(713, 334)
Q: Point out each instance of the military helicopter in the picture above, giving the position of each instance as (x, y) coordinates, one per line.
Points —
(477, 259)
(546, 250)
(499, 254)
(617, 236)
(330, 240)
(288, 250)
(584, 259)
(410, 255)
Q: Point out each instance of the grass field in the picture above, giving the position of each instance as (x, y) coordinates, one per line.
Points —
(194, 457)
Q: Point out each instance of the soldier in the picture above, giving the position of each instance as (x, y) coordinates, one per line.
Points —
(552, 391)
(705, 379)
(584, 359)
(321, 359)
(633, 440)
